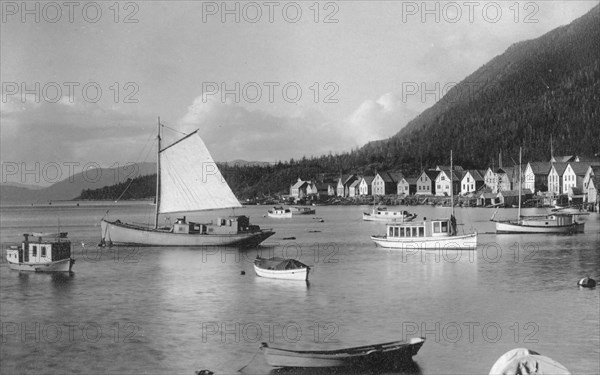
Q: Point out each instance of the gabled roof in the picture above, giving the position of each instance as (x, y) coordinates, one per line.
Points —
(385, 176)
(456, 175)
(560, 168)
(299, 184)
(581, 168)
(368, 179)
(355, 183)
(396, 176)
(411, 180)
(432, 174)
(540, 167)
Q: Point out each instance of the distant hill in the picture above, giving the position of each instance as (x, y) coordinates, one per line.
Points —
(72, 187)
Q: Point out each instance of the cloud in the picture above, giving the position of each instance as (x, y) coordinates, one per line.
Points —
(69, 131)
(378, 119)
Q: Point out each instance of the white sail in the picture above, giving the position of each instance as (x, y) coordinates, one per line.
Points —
(190, 179)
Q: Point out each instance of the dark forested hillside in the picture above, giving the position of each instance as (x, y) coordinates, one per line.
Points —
(549, 86)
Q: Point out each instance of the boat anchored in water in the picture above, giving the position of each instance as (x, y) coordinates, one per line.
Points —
(381, 356)
(280, 268)
(188, 180)
(47, 252)
(280, 213)
(436, 234)
(305, 210)
(383, 214)
(551, 223)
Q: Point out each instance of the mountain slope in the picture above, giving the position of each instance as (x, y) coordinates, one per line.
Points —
(549, 85)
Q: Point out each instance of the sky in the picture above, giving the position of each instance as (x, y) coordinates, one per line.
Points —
(84, 82)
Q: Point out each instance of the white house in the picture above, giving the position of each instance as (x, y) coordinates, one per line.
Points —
(491, 180)
(300, 189)
(383, 184)
(365, 187)
(426, 183)
(442, 183)
(535, 177)
(555, 178)
(471, 181)
(574, 175)
(353, 190)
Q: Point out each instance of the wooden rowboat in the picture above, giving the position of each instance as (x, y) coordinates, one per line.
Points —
(388, 355)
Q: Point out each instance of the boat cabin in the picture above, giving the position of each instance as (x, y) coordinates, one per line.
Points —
(40, 250)
(228, 225)
(426, 228)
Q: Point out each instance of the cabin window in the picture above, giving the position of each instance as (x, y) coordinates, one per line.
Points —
(408, 232)
(444, 226)
(33, 250)
(391, 231)
(395, 231)
(401, 232)
(43, 251)
(414, 231)
(421, 231)
(436, 227)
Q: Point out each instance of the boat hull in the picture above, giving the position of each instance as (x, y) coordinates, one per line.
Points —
(63, 265)
(131, 235)
(286, 215)
(405, 219)
(387, 355)
(296, 274)
(507, 227)
(466, 242)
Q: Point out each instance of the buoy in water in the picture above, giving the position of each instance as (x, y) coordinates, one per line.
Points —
(587, 282)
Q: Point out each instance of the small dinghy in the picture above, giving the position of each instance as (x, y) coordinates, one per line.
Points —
(281, 268)
(387, 355)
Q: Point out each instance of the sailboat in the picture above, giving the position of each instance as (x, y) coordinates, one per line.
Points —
(188, 180)
(551, 223)
(436, 234)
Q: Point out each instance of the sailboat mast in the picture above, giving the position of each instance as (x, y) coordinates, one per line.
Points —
(451, 185)
(157, 177)
(520, 183)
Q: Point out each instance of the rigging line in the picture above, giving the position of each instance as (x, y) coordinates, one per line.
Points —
(131, 180)
(170, 128)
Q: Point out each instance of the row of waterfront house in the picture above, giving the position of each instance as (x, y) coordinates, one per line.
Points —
(573, 176)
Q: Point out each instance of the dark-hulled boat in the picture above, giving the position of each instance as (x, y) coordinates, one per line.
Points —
(386, 355)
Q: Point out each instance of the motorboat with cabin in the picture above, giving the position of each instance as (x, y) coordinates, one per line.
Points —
(41, 252)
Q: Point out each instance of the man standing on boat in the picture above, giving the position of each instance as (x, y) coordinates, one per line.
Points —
(452, 225)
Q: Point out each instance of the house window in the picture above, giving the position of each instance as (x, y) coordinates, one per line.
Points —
(443, 178)
(34, 250)
(43, 250)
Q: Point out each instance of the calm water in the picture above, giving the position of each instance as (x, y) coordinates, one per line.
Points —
(177, 310)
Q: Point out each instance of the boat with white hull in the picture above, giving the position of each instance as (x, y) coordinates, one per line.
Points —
(280, 213)
(188, 180)
(436, 234)
(280, 268)
(554, 223)
(382, 214)
(45, 253)
(560, 223)
(424, 235)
